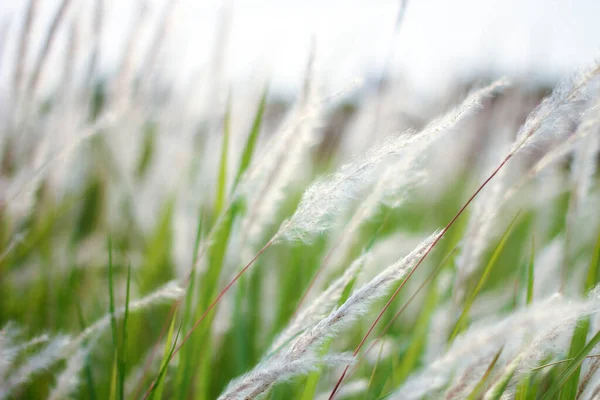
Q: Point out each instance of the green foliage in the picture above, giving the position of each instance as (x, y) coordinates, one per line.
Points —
(52, 279)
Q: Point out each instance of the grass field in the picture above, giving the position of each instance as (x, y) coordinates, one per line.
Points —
(359, 245)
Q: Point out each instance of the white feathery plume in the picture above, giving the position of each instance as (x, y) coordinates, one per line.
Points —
(332, 194)
(557, 113)
(469, 378)
(550, 342)
(589, 386)
(321, 306)
(46, 357)
(266, 183)
(302, 348)
(586, 379)
(587, 127)
(391, 190)
(62, 346)
(68, 381)
(510, 333)
(358, 303)
(258, 380)
(10, 349)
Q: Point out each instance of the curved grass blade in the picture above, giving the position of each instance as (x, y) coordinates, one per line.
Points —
(157, 388)
(569, 391)
(122, 358)
(251, 141)
(530, 274)
(460, 324)
(157, 394)
(222, 177)
(573, 366)
(592, 273)
(116, 386)
(499, 389)
(476, 393)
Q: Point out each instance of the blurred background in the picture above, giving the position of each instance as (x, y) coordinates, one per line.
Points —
(435, 43)
(132, 130)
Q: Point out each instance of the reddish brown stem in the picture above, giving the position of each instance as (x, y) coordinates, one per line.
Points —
(149, 359)
(165, 327)
(315, 277)
(211, 306)
(408, 302)
(431, 246)
(326, 262)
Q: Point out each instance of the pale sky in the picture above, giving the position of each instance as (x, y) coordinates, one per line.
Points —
(439, 39)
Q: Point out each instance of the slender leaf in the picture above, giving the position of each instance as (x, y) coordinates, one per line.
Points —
(530, 274)
(123, 360)
(222, 177)
(488, 269)
(571, 368)
(169, 347)
(113, 323)
(478, 389)
(251, 141)
(592, 273)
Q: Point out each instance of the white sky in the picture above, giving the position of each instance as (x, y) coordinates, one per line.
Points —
(438, 40)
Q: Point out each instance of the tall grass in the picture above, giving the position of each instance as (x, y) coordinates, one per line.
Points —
(150, 250)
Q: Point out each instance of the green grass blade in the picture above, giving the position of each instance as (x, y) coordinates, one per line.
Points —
(222, 176)
(251, 141)
(522, 391)
(592, 273)
(571, 368)
(111, 294)
(530, 274)
(199, 226)
(569, 390)
(158, 267)
(123, 360)
(114, 377)
(150, 132)
(476, 393)
(224, 229)
(577, 344)
(89, 376)
(498, 389)
(241, 332)
(186, 357)
(372, 376)
(488, 269)
(115, 388)
(169, 347)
